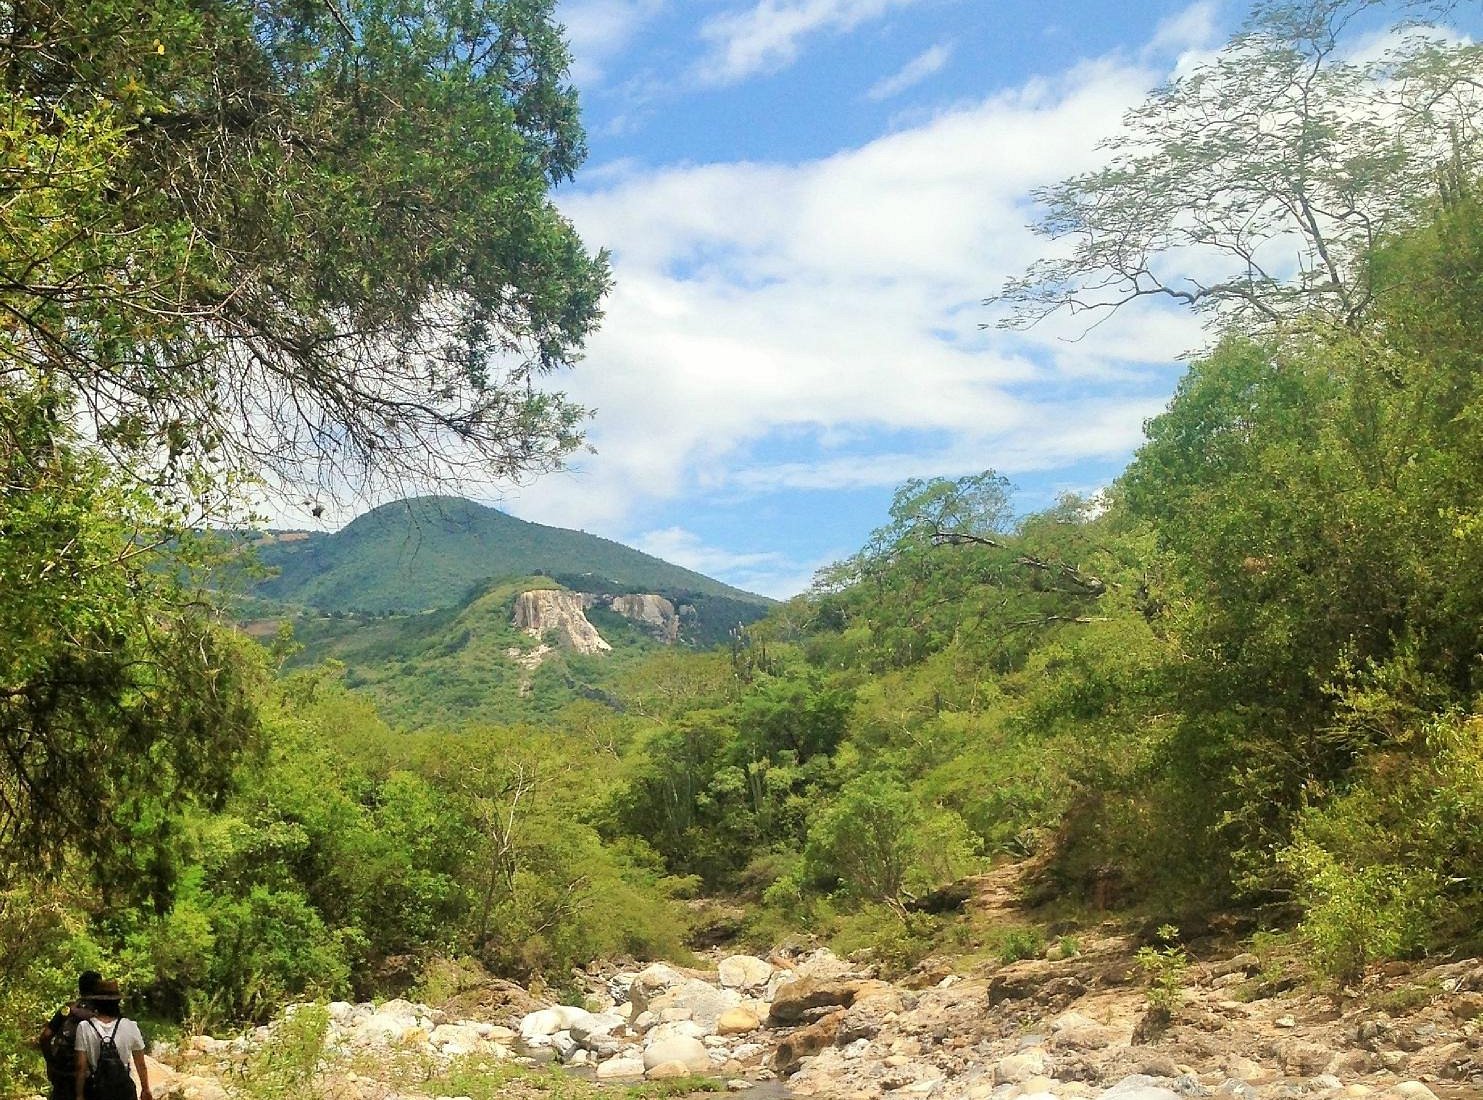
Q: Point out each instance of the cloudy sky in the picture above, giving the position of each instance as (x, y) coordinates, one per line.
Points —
(807, 202)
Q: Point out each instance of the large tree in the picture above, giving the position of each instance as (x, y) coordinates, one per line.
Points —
(312, 238)
(1254, 187)
(121, 701)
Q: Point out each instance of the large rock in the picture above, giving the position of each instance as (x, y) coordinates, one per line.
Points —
(1245, 964)
(807, 1041)
(549, 610)
(668, 1071)
(591, 1028)
(745, 972)
(1301, 1059)
(456, 1039)
(394, 1022)
(688, 1051)
(1409, 1090)
(652, 612)
(869, 1013)
(791, 1001)
(687, 1029)
(548, 1021)
(694, 1000)
(1014, 1069)
(737, 1021)
(1138, 1087)
(823, 965)
(650, 982)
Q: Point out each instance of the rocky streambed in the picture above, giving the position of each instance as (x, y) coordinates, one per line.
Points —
(1042, 1029)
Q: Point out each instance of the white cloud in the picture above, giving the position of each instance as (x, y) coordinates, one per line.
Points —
(1195, 30)
(924, 65)
(768, 36)
(599, 30)
(769, 574)
(767, 317)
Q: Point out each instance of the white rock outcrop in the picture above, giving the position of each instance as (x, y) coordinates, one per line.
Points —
(544, 611)
(654, 613)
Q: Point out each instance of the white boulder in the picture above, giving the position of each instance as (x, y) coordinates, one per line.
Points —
(745, 972)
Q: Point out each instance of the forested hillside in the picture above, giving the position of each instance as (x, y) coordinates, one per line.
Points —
(429, 552)
(1239, 686)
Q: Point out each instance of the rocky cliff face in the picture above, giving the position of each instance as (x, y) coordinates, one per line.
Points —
(654, 613)
(549, 610)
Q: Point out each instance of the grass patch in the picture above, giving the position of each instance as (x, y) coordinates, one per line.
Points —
(1405, 999)
(483, 1078)
(678, 1086)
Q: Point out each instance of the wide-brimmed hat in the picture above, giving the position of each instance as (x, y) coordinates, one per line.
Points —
(106, 990)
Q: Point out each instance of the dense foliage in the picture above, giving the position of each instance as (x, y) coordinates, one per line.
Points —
(309, 239)
(1246, 675)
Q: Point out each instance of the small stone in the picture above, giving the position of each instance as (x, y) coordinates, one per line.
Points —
(737, 1021)
(1410, 1090)
(620, 1067)
(667, 1071)
(1016, 1068)
(1284, 1021)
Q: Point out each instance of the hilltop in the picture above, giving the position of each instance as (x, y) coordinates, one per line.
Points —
(430, 552)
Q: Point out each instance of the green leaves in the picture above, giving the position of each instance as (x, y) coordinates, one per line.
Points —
(118, 698)
(318, 239)
(1280, 142)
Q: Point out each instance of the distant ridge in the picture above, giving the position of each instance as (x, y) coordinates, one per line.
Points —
(429, 552)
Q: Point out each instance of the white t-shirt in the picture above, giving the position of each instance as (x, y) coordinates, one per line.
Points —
(125, 1036)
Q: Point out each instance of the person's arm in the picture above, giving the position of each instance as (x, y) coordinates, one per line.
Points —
(82, 1073)
(143, 1071)
(44, 1039)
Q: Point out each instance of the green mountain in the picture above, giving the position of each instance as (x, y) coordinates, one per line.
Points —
(432, 552)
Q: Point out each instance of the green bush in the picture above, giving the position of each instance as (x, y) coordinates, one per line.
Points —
(881, 934)
(879, 843)
(1013, 944)
(286, 1066)
(1395, 862)
(1164, 968)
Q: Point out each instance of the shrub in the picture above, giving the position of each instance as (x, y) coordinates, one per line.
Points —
(1165, 968)
(1014, 944)
(1394, 862)
(285, 1066)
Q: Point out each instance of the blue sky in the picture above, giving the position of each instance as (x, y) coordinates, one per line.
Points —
(806, 203)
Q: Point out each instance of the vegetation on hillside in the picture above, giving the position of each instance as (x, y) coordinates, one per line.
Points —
(1246, 676)
(429, 552)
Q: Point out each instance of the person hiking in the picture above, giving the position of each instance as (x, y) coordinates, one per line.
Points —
(106, 1045)
(58, 1041)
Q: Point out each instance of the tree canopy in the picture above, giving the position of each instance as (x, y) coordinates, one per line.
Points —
(1254, 187)
(314, 240)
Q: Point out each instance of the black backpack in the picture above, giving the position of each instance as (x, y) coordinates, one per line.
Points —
(110, 1079)
(61, 1047)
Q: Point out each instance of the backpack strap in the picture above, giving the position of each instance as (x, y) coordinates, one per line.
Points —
(103, 1040)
